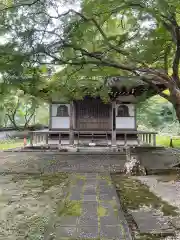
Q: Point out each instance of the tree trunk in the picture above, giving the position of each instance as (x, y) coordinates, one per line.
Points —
(175, 100)
(177, 109)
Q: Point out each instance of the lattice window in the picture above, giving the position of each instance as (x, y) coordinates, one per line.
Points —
(62, 111)
(123, 111)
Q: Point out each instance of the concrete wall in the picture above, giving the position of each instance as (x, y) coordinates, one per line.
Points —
(59, 122)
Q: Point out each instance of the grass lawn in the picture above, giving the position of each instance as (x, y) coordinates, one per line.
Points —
(165, 140)
(8, 144)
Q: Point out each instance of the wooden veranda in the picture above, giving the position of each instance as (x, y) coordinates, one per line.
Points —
(101, 138)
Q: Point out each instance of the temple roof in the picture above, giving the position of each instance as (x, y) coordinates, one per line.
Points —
(125, 81)
(124, 85)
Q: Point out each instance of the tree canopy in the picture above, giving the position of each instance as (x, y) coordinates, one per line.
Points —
(90, 41)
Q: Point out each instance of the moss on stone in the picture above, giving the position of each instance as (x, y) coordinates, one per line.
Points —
(47, 180)
(133, 195)
(101, 211)
(54, 179)
(79, 176)
(149, 237)
(69, 208)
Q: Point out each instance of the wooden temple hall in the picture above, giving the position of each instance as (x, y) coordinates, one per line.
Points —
(91, 122)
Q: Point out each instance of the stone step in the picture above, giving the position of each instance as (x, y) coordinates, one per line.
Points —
(96, 149)
(150, 222)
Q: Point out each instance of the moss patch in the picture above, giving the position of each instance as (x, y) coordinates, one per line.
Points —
(47, 180)
(69, 208)
(50, 180)
(106, 178)
(102, 211)
(134, 194)
(148, 237)
(79, 176)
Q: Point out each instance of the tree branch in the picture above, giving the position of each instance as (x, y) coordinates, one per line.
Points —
(20, 5)
(166, 53)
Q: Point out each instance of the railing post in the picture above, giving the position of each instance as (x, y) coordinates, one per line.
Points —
(41, 138)
(154, 139)
(149, 138)
(143, 137)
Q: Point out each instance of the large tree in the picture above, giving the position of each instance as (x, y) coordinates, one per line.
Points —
(98, 38)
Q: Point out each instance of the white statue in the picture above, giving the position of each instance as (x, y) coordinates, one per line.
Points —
(133, 166)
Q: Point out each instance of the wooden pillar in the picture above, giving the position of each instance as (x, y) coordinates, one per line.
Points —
(31, 139)
(143, 137)
(47, 136)
(59, 140)
(139, 138)
(125, 139)
(154, 139)
(113, 136)
(71, 127)
(35, 138)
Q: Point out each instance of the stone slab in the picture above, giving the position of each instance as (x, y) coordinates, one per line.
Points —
(107, 197)
(89, 198)
(88, 220)
(91, 182)
(109, 220)
(90, 191)
(67, 221)
(111, 232)
(90, 186)
(80, 182)
(90, 232)
(62, 232)
(106, 189)
(150, 223)
(90, 207)
(102, 182)
(75, 194)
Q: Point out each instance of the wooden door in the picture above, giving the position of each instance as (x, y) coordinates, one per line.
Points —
(93, 114)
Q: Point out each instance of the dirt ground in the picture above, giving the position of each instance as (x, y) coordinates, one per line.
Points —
(33, 183)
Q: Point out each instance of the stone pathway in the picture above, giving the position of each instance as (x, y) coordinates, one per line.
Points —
(98, 214)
